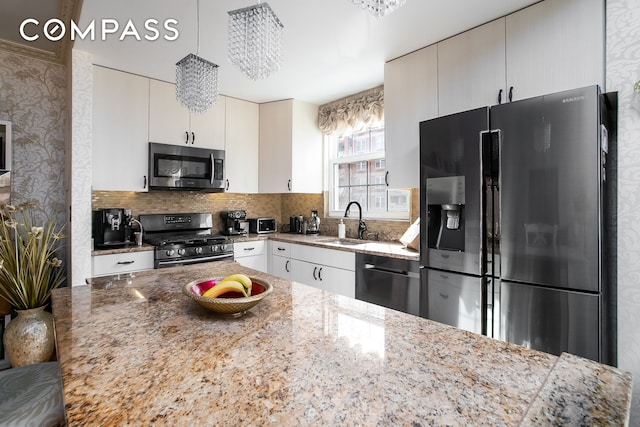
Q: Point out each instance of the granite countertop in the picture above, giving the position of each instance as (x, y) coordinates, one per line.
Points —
(383, 248)
(127, 249)
(134, 350)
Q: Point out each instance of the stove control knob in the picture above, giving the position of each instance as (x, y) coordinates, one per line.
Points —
(170, 252)
(215, 248)
(181, 252)
(198, 250)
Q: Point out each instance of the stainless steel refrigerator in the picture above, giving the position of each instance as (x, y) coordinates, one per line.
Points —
(518, 222)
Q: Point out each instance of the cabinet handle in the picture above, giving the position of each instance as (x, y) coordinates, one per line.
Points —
(193, 138)
(286, 266)
(511, 94)
(125, 262)
(249, 249)
(443, 296)
(227, 186)
(289, 185)
(186, 137)
(281, 249)
(320, 274)
(386, 178)
(144, 182)
(500, 97)
(314, 273)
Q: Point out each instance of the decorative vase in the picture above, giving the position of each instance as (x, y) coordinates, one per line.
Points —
(29, 338)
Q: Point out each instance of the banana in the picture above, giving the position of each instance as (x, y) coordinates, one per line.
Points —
(242, 278)
(225, 286)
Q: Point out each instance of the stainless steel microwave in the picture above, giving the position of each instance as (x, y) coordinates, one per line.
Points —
(176, 167)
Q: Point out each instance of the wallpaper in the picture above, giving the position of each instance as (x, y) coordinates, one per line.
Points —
(33, 98)
(623, 70)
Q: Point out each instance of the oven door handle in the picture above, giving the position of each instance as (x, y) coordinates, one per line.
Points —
(195, 260)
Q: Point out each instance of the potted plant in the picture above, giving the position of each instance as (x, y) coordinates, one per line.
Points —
(29, 271)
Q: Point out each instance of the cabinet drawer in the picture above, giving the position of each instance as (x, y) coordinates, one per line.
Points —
(104, 265)
(244, 249)
(329, 257)
(282, 249)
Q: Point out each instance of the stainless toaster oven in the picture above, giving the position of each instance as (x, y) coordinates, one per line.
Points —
(262, 225)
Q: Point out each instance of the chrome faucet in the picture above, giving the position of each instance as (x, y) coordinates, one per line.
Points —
(362, 226)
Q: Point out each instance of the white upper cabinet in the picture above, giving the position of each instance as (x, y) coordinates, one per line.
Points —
(290, 148)
(172, 123)
(120, 130)
(242, 146)
(410, 96)
(471, 69)
(555, 45)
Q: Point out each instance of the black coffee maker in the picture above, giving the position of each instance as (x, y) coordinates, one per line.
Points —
(110, 227)
(231, 222)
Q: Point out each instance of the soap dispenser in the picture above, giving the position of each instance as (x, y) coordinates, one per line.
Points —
(341, 230)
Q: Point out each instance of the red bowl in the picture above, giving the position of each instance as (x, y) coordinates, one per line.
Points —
(232, 304)
(202, 287)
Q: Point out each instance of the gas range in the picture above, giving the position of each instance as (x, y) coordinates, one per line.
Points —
(182, 239)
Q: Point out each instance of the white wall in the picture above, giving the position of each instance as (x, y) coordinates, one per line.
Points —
(79, 166)
(623, 70)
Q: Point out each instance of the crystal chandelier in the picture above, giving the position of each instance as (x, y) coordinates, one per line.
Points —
(379, 8)
(255, 36)
(196, 80)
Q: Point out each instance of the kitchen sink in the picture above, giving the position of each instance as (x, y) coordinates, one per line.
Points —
(342, 242)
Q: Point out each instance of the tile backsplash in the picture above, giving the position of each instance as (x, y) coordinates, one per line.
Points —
(278, 206)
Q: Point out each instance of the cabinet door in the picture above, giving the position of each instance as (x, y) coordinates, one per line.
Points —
(471, 69)
(120, 133)
(257, 262)
(275, 147)
(410, 96)
(304, 272)
(306, 149)
(281, 267)
(337, 280)
(209, 127)
(242, 146)
(555, 45)
(168, 120)
(251, 254)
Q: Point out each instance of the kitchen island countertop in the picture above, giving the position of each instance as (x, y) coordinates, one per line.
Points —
(134, 350)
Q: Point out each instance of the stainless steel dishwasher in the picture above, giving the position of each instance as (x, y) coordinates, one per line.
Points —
(389, 282)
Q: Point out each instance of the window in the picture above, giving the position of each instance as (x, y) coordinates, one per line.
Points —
(357, 171)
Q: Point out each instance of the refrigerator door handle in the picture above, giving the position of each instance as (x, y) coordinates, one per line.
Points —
(489, 177)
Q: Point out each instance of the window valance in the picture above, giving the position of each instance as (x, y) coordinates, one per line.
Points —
(353, 112)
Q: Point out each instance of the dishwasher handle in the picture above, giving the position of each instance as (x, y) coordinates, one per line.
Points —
(392, 271)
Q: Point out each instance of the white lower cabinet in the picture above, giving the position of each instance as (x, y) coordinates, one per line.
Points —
(281, 267)
(280, 262)
(327, 269)
(336, 280)
(106, 265)
(251, 254)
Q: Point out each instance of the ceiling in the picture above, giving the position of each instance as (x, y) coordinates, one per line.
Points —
(331, 48)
